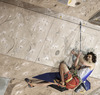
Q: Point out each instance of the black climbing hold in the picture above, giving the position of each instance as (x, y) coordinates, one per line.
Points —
(57, 52)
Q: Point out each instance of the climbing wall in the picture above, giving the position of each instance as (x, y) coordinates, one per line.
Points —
(22, 33)
(43, 39)
(61, 35)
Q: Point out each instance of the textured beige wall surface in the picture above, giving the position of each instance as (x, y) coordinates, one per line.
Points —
(43, 39)
(84, 11)
(22, 33)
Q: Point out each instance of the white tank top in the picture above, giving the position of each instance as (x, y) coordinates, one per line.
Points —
(84, 73)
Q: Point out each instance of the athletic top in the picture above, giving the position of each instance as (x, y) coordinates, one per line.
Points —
(84, 73)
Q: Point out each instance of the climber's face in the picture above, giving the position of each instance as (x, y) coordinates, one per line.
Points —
(89, 57)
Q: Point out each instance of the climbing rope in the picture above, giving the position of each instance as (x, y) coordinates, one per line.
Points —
(80, 35)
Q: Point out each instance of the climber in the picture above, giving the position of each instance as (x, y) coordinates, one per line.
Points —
(84, 64)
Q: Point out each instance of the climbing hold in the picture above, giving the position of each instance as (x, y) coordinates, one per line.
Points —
(69, 1)
(57, 52)
(60, 16)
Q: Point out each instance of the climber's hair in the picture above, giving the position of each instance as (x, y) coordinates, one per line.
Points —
(93, 56)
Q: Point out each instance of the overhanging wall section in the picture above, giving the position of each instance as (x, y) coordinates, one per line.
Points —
(46, 40)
